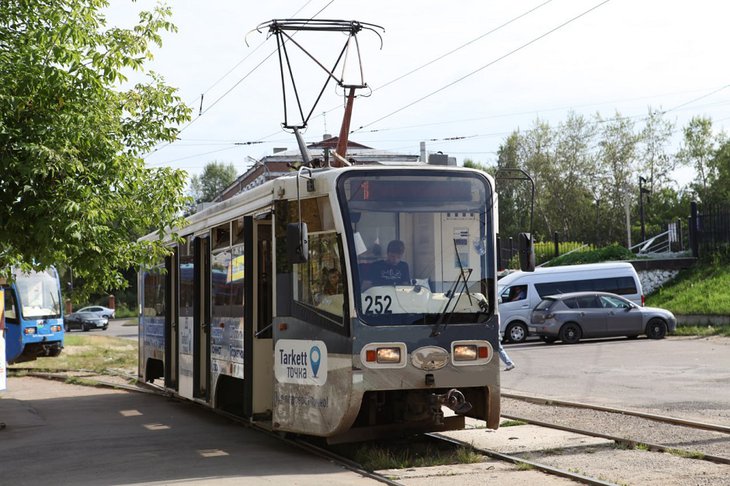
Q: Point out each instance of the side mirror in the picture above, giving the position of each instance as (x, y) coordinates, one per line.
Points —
(527, 252)
(297, 243)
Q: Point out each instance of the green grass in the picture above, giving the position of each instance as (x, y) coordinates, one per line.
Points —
(702, 290)
(89, 352)
(374, 458)
(686, 454)
(512, 423)
(702, 330)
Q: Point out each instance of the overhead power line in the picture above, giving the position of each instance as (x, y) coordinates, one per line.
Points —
(513, 51)
(432, 61)
(514, 19)
(217, 100)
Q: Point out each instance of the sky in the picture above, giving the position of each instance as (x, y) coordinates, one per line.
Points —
(460, 75)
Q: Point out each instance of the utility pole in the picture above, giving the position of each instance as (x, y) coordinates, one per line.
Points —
(642, 191)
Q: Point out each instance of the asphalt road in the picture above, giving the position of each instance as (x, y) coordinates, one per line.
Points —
(680, 376)
(121, 328)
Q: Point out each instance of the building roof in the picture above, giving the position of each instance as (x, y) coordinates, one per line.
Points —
(279, 163)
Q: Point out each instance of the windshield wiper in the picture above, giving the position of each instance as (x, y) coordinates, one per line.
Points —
(464, 274)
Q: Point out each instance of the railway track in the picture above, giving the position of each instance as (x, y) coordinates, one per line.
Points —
(661, 433)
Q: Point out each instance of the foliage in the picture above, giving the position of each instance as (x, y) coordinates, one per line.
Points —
(698, 152)
(586, 172)
(74, 189)
(608, 253)
(545, 250)
(215, 178)
(699, 290)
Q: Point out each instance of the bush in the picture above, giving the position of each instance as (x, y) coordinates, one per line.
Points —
(606, 254)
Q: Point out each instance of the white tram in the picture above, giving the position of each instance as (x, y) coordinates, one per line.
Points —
(245, 317)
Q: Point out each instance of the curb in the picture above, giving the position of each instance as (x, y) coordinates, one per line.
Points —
(702, 320)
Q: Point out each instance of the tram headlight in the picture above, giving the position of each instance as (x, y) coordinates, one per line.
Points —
(388, 355)
(465, 352)
(471, 352)
(29, 331)
(384, 355)
(56, 328)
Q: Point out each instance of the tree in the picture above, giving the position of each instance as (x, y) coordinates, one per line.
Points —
(618, 169)
(74, 189)
(721, 187)
(697, 151)
(216, 176)
(654, 138)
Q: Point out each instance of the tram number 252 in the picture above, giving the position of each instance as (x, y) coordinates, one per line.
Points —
(378, 304)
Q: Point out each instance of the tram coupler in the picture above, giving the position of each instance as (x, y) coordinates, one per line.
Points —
(454, 400)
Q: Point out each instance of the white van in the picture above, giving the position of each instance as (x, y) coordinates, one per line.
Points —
(520, 292)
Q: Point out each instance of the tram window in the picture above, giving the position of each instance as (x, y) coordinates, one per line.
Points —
(221, 236)
(227, 282)
(154, 292)
(10, 312)
(319, 281)
(186, 272)
(317, 215)
(237, 231)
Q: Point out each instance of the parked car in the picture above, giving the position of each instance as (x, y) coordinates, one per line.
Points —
(99, 310)
(85, 321)
(520, 292)
(572, 316)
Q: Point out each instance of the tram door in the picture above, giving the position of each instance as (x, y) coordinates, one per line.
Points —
(171, 322)
(259, 284)
(201, 318)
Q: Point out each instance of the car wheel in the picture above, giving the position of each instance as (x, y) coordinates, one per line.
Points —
(570, 333)
(105, 327)
(548, 339)
(85, 327)
(516, 333)
(656, 329)
(66, 328)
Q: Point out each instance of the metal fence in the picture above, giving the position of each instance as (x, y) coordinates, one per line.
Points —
(709, 229)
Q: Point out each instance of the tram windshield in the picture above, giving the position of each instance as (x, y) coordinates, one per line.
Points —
(39, 294)
(420, 245)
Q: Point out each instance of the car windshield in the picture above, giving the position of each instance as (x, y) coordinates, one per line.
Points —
(421, 246)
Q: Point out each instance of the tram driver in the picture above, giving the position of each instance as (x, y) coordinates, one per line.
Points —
(389, 271)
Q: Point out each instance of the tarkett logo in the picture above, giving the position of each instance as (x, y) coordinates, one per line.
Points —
(301, 362)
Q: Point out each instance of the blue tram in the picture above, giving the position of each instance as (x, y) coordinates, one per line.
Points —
(33, 315)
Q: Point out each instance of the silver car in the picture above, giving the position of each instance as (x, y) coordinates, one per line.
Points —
(570, 317)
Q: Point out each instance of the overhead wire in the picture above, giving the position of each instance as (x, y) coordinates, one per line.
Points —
(392, 81)
(481, 68)
(226, 93)
(443, 56)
